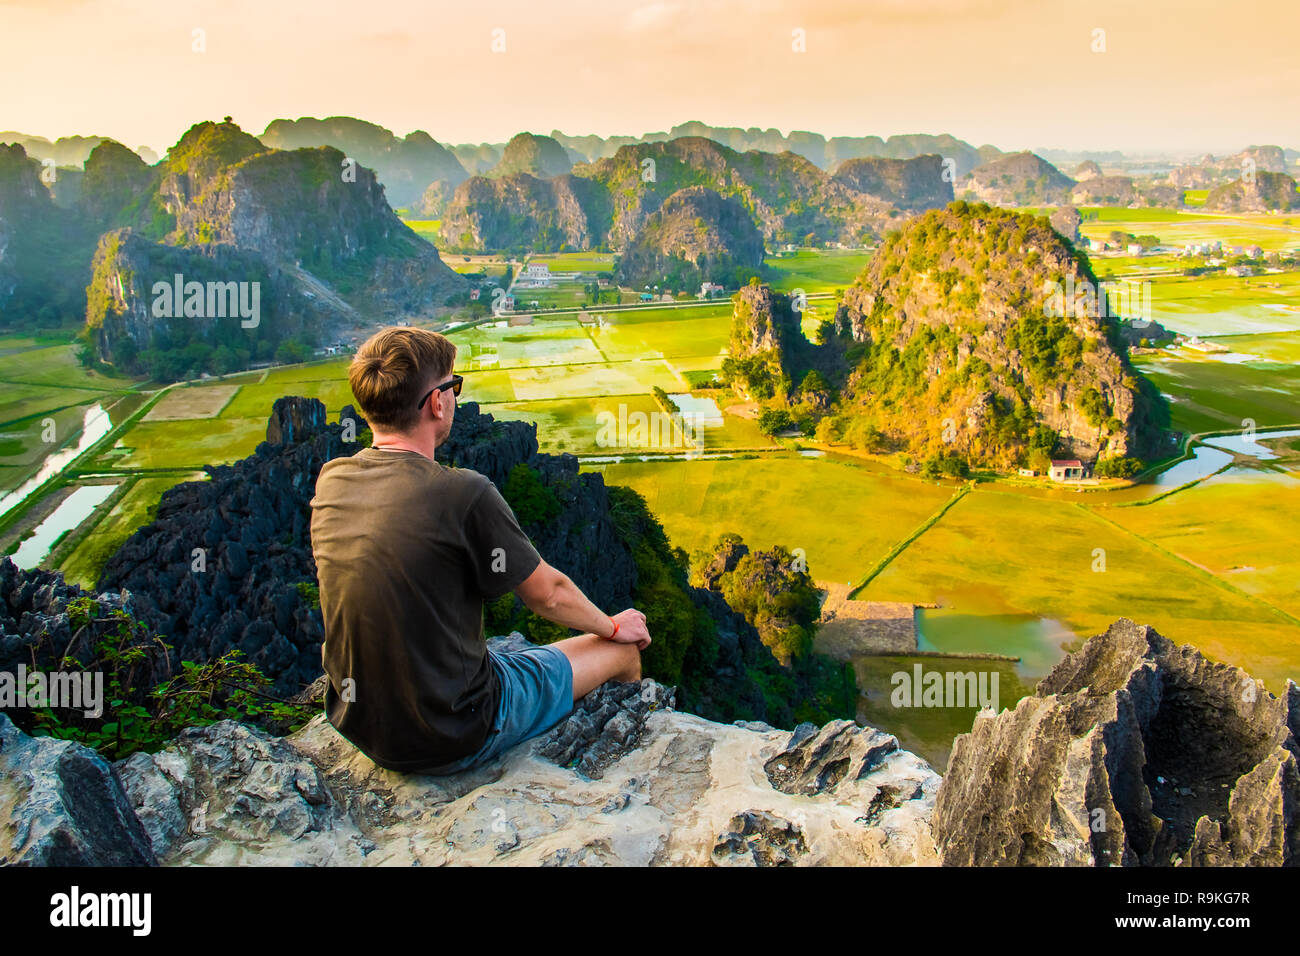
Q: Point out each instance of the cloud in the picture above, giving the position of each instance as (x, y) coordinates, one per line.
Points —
(653, 16)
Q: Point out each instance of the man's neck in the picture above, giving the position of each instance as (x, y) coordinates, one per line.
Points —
(391, 441)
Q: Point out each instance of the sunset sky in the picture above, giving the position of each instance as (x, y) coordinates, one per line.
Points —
(1175, 76)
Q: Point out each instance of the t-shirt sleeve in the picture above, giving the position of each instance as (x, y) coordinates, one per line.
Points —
(500, 553)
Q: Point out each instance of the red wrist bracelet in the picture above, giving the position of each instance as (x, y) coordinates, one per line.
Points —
(615, 623)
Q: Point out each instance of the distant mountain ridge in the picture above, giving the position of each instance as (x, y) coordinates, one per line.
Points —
(405, 165)
(787, 197)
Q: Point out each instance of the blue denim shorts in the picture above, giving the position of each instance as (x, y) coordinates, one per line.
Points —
(536, 694)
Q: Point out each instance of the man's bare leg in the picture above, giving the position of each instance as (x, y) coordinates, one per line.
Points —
(597, 659)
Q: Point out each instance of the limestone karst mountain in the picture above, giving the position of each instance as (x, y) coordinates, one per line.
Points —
(973, 316)
(309, 227)
(695, 236)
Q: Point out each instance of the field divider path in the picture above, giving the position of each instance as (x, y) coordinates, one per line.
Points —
(596, 345)
(896, 550)
(1203, 572)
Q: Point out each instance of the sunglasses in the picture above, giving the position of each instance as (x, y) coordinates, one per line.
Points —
(454, 385)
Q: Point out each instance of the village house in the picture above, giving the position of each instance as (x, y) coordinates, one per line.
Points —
(709, 287)
(1068, 469)
(535, 276)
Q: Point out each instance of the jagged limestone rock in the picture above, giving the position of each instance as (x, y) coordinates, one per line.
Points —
(819, 760)
(61, 804)
(606, 724)
(670, 789)
(1133, 751)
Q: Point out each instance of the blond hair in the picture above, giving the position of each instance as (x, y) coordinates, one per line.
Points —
(393, 369)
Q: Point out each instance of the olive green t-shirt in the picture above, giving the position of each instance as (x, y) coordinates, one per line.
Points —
(407, 550)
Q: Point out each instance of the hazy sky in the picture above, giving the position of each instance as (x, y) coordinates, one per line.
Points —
(1186, 75)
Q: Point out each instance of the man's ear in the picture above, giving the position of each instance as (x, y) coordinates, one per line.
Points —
(440, 411)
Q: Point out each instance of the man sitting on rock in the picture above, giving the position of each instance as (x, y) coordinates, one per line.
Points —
(407, 551)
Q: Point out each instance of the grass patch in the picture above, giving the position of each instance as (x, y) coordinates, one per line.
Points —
(810, 503)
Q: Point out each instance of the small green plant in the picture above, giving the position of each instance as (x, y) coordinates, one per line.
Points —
(228, 688)
(310, 593)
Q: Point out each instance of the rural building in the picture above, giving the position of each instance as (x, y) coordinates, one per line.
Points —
(708, 287)
(1200, 345)
(1068, 469)
(535, 276)
(1134, 249)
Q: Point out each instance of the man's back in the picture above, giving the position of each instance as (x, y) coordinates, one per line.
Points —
(406, 551)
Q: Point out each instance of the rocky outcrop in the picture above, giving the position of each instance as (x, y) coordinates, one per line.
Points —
(786, 195)
(695, 236)
(1212, 171)
(1133, 751)
(405, 165)
(309, 229)
(1017, 178)
(767, 346)
(115, 177)
(539, 156)
(826, 152)
(61, 804)
(1065, 220)
(912, 184)
(49, 625)
(611, 200)
(1264, 192)
(625, 780)
(1088, 169)
(1004, 321)
(44, 247)
(523, 211)
(1105, 191)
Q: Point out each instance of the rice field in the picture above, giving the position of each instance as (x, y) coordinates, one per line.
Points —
(843, 517)
(816, 271)
(134, 509)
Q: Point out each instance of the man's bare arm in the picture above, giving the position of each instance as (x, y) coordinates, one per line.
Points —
(551, 594)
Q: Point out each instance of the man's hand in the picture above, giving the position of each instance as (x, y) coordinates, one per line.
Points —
(632, 629)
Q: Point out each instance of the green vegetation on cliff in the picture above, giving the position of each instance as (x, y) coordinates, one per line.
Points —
(974, 334)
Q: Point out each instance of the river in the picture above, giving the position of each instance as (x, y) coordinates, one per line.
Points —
(95, 424)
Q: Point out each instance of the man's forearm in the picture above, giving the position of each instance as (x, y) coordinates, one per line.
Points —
(566, 604)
